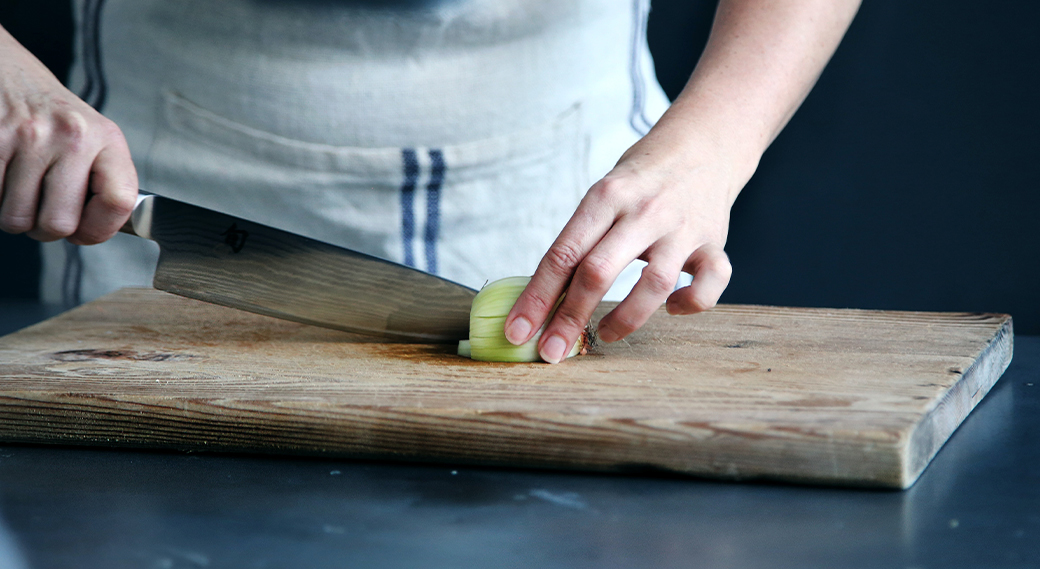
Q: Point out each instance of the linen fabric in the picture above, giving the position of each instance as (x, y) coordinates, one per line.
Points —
(454, 136)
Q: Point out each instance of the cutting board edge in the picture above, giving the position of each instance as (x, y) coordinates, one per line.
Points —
(362, 433)
(937, 426)
(883, 482)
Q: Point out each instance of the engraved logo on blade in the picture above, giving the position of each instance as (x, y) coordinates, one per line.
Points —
(235, 238)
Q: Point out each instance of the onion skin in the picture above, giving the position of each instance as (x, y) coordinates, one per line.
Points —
(487, 320)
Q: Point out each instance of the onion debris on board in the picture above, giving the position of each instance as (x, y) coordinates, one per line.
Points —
(487, 320)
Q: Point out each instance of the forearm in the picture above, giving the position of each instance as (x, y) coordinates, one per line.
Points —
(761, 61)
(16, 62)
(8, 45)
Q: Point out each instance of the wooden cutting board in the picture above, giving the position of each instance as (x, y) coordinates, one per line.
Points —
(848, 397)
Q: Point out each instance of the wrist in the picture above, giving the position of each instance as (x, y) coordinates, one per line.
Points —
(696, 139)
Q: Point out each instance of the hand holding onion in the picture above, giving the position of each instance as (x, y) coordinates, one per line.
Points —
(666, 206)
(667, 201)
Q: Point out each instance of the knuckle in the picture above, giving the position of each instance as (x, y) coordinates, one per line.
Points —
(57, 227)
(561, 259)
(119, 204)
(700, 303)
(16, 223)
(568, 320)
(110, 131)
(607, 188)
(32, 132)
(721, 266)
(595, 274)
(537, 303)
(658, 281)
(73, 127)
(114, 193)
(655, 207)
(623, 324)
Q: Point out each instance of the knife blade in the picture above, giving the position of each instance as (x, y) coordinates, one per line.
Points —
(234, 262)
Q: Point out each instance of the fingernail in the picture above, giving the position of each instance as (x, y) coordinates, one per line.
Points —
(518, 330)
(553, 349)
(607, 335)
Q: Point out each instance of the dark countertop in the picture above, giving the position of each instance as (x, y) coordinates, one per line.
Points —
(976, 506)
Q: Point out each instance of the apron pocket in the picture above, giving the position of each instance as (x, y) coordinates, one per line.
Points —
(470, 212)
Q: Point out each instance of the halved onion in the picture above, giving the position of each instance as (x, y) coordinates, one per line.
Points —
(487, 320)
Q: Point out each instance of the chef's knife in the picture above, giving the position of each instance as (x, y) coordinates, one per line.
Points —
(221, 259)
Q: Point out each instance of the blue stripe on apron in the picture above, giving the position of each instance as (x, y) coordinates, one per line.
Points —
(637, 115)
(431, 229)
(433, 208)
(411, 177)
(95, 91)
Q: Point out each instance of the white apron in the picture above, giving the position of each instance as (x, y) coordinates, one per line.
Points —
(455, 136)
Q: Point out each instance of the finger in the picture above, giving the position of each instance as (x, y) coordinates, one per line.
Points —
(655, 284)
(6, 156)
(21, 192)
(113, 187)
(711, 271)
(63, 192)
(592, 280)
(590, 222)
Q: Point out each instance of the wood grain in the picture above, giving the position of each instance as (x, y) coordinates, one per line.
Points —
(848, 397)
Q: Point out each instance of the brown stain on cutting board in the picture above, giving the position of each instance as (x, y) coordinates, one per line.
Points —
(847, 397)
(124, 354)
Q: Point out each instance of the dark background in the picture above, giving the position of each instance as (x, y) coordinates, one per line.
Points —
(906, 181)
